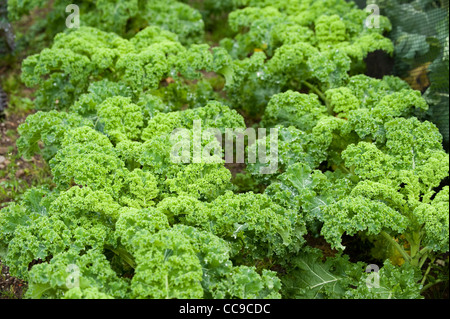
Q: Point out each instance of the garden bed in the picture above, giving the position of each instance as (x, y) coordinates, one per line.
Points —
(95, 203)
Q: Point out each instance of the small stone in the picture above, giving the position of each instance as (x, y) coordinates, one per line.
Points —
(440, 262)
(20, 173)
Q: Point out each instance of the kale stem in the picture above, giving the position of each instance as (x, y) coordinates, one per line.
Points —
(125, 255)
(423, 256)
(431, 284)
(397, 246)
(316, 90)
(427, 272)
(345, 169)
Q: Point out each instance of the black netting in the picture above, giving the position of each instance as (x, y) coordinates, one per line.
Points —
(420, 31)
(6, 32)
(3, 101)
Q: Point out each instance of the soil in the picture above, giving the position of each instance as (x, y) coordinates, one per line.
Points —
(321, 243)
(8, 152)
(10, 287)
(379, 64)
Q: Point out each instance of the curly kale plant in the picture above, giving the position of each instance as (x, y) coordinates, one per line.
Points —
(79, 58)
(384, 169)
(133, 213)
(125, 18)
(304, 45)
(116, 210)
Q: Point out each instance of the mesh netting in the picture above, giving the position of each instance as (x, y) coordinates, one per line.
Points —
(420, 35)
(6, 31)
(3, 101)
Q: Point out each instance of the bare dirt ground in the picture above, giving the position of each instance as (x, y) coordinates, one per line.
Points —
(10, 287)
